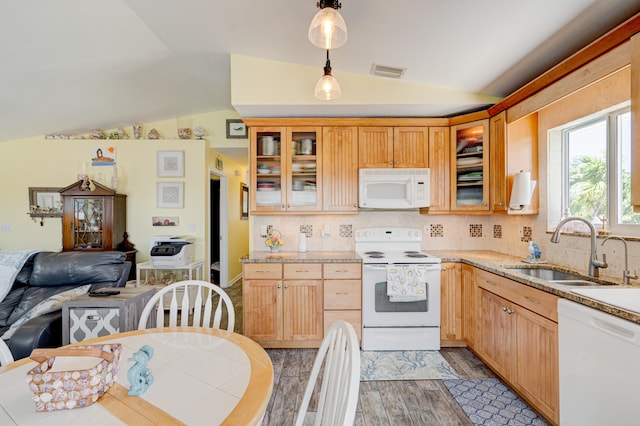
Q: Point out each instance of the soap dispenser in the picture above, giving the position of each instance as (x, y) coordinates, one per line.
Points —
(531, 253)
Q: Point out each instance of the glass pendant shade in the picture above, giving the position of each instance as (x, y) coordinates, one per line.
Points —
(327, 88)
(328, 29)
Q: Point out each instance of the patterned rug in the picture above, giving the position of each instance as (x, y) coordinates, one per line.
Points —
(404, 365)
(491, 402)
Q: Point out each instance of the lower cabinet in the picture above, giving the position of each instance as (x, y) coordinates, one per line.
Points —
(292, 305)
(343, 295)
(518, 338)
(282, 304)
(469, 315)
(451, 305)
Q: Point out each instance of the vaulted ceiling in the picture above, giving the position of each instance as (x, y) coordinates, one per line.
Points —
(72, 65)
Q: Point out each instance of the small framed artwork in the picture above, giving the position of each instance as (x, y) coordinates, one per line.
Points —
(236, 129)
(45, 201)
(165, 221)
(244, 201)
(219, 163)
(170, 195)
(170, 163)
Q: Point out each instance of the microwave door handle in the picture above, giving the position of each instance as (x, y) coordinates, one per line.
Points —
(410, 192)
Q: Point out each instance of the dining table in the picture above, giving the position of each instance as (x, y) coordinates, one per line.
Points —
(201, 376)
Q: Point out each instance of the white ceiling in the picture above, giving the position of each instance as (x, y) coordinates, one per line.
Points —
(72, 65)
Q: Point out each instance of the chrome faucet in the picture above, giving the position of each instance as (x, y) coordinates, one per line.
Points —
(594, 263)
(626, 274)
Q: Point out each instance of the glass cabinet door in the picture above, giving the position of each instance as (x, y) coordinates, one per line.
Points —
(285, 169)
(268, 169)
(88, 223)
(470, 168)
(304, 150)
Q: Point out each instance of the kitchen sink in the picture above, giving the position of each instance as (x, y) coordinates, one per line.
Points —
(555, 276)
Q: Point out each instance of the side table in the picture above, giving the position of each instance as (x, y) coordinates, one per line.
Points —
(86, 317)
(147, 273)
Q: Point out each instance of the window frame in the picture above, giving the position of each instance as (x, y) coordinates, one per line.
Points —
(614, 171)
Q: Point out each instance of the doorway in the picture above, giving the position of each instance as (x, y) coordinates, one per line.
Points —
(218, 226)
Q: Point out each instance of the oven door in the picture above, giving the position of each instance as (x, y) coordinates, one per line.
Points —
(378, 311)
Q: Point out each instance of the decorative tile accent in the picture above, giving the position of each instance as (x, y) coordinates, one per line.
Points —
(307, 230)
(497, 231)
(475, 230)
(527, 234)
(436, 230)
(346, 231)
(269, 230)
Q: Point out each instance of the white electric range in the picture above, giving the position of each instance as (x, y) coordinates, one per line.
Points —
(389, 325)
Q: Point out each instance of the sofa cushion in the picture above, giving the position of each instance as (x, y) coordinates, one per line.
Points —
(9, 303)
(55, 269)
(50, 304)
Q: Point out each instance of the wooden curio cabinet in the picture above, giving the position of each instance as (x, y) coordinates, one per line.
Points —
(92, 220)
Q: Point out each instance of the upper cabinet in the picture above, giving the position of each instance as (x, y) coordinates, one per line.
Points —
(286, 166)
(440, 166)
(340, 169)
(470, 166)
(387, 147)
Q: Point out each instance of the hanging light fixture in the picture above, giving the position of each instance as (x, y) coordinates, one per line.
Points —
(327, 88)
(328, 29)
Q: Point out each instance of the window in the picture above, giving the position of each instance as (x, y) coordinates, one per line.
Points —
(595, 171)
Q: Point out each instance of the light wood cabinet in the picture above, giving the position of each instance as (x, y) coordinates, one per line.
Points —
(518, 338)
(514, 148)
(388, 147)
(440, 166)
(451, 305)
(470, 166)
(469, 303)
(286, 169)
(343, 295)
(282, 304)
(340, 169)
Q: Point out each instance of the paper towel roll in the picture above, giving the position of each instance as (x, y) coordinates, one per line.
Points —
(521, 190)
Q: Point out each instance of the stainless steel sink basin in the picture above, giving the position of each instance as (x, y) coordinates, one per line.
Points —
(555, 276)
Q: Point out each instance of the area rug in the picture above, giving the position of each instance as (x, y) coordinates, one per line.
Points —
(404, 365)
(491, 402)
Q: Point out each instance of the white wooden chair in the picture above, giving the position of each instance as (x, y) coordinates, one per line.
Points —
(338, 396)
(199, 317)
(5, 354)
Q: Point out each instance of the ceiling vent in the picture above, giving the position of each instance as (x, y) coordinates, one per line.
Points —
(387, 71)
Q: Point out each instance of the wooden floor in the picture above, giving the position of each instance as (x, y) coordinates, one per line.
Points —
(407, 402)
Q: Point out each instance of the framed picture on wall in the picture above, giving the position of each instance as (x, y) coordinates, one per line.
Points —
(244, 201)
(170, 163)
(236, 129)
(170, 195)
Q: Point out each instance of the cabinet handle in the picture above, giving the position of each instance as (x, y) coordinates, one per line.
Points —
(283, 206)
(510, 311)
(355, 205)
(288, 206)
(286, 286)
(397, 162)
(485, 204)
(279, 285)
(342, 294)
(443, 269)
(504, 309)
(501, 204)
(532, 300)
(391, 163)
(93, 317)
(489, 282)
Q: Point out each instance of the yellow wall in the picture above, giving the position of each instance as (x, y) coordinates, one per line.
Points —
(38, 162)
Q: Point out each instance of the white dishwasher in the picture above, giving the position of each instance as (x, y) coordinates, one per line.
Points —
(599, 367)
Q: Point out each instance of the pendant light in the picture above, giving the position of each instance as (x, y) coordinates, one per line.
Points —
(327, 88)
(328, 29)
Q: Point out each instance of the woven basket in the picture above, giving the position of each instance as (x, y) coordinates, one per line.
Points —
(64, 390)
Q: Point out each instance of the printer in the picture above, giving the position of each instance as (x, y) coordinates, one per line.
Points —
(171, 251)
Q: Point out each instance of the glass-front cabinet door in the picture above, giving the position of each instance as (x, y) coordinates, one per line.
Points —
(88, 223)
(470, 166)
(285, 169)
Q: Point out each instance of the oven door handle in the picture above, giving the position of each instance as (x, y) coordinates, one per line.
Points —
(379, 266)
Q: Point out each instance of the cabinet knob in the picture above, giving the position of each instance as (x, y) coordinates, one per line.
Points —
(397, 162)
(283, 206)
(286, 286)
(279, 286)
(485, 204)
(288, 206)
(501, 204)
(391, 163)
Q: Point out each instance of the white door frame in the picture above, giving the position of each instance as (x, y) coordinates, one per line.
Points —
(224, 227)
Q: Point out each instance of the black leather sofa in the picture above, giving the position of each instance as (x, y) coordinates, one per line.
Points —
(44, 275)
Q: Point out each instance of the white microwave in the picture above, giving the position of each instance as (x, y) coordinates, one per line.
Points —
(394, 188)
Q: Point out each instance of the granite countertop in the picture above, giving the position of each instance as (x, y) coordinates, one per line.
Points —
(491, 261)
(503, 264)
(297, 257)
